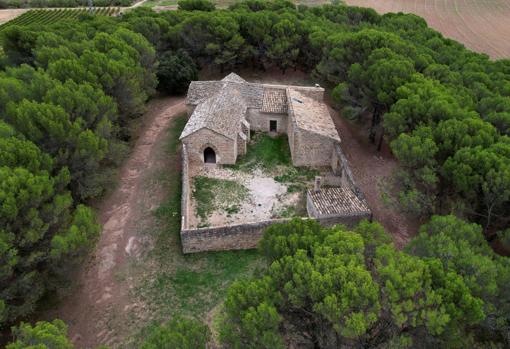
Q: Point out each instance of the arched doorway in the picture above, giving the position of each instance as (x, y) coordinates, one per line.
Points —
(209, 156)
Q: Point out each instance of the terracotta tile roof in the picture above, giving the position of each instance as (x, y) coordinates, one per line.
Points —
(311, 115)
(338, 201)
(274, 101)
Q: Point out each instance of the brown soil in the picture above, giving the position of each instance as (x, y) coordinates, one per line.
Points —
(482, 26)
(99, 306)
(7, 15)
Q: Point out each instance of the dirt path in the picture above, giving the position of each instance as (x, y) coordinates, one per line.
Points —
(100, 301)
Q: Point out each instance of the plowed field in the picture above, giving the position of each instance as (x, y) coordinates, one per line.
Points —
(481, 25)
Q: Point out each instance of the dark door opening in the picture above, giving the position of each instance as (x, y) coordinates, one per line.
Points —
(272, 125)
(209, 156)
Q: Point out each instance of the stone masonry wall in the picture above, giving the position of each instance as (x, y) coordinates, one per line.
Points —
(243, 236)
(259, 121)
(186, 190)
(340, 166)
(311, 149)
(225, 148)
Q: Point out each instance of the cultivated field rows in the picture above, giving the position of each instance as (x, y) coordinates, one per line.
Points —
(481, 25)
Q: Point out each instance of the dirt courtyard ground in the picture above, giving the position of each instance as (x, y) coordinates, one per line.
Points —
(260, 197)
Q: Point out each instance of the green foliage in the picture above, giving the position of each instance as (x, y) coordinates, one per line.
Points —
(211, 194)
(196, 5)
(266, 151)
(179, 333)
(461, 249)
(44, 335)
(341, 286)
(65, 103)
(175, 72)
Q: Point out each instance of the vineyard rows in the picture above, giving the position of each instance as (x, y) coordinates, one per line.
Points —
(42, 17)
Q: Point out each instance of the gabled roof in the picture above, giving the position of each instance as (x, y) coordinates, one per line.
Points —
(233, 77)
(222, 113)
(311, 115)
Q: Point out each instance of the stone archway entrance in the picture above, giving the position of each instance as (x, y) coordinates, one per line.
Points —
(209, 156)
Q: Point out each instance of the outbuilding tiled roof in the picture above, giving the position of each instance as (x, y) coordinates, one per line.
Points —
(222, 113)
(341, 201)
(274, 101)
(311, 115)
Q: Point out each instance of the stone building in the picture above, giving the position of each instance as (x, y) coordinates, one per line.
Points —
(222, 113)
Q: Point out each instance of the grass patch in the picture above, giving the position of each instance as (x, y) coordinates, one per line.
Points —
(265, 152)
(212, 194)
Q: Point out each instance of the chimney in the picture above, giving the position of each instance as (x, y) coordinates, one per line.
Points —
(318, 182)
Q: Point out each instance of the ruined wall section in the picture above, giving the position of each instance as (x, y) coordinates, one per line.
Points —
(341, 167)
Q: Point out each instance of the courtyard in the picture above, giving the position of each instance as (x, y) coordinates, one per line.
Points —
(262, 185)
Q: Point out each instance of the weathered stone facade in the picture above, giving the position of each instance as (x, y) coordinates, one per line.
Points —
(232, 107)
(225, 148)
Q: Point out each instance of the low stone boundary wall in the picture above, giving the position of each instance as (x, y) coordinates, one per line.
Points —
(245, 236)
(185, 191)
(346, 173)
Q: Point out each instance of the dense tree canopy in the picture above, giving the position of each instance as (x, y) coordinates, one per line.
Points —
(330, 287)
(66, 97)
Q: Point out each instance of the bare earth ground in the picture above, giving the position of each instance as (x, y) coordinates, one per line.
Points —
(100, 299)
(7, 15)
(266, 198)
(481, 25)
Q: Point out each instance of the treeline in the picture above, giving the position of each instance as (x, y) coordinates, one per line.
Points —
(67, 94)
(444, 110)
(7, 4)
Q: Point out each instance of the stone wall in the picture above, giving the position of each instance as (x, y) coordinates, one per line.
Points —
(311, 149)
(244, 236)
(234, 237)
(340, 166)
(259, 121)
(186, 189)
(225, 148)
